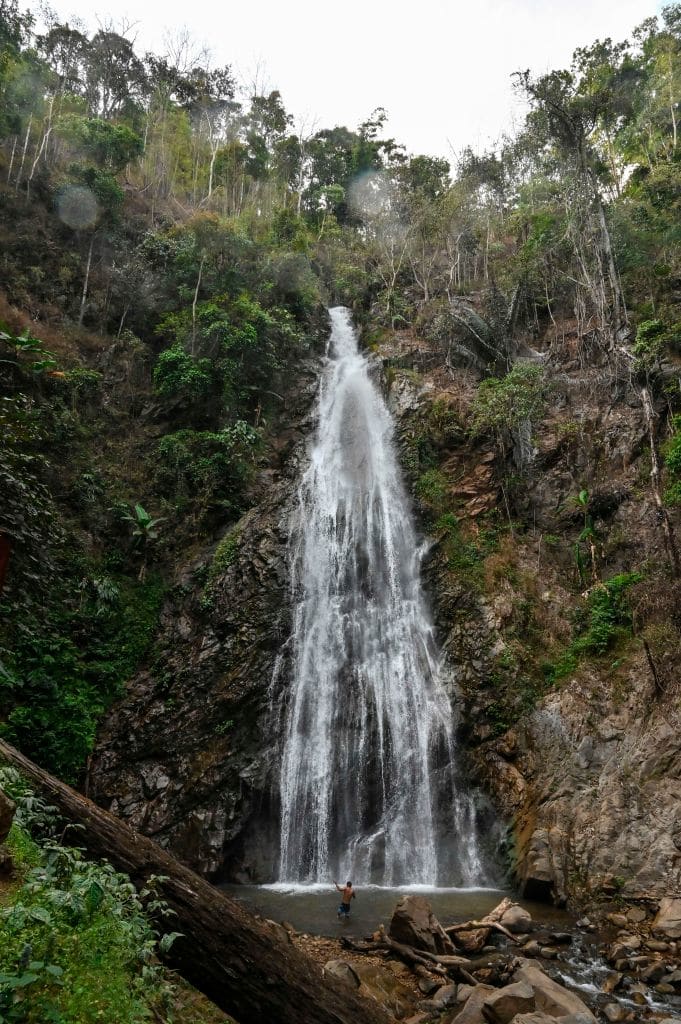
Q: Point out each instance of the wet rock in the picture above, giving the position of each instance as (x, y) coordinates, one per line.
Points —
(414, 924)
(657, 946)
(538, 1017)
(549, 952)
(463, 992)
(7, 809)
(653, 973)
(532, 948)
(614, 1012)
(612, 981)
(637, 993)
(619, 920)
(445, 995)
(664, 989)
(561, 938)
(674, 979)
(509, 1001)
(517, 920)
(428, 985)
(550, 997)
(472, 1009)
(624, 947)
(636, 915)
(668, 919)
(584, 922)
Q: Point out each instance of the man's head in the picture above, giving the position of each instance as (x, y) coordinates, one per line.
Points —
(349, 885)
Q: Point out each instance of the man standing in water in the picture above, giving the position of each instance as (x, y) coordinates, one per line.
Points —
(348, 894)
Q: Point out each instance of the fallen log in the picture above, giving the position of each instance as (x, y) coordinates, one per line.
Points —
(436, 963)
(245, 968)
(489, 921)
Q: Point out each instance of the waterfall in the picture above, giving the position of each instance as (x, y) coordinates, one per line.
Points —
(368, 778)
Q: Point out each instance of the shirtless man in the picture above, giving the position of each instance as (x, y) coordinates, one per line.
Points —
(348, 894)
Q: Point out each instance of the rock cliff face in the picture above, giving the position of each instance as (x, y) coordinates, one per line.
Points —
(586, 767)
(188, 754)
(583, 763)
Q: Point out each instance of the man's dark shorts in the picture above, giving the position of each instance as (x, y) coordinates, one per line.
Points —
(344, 908)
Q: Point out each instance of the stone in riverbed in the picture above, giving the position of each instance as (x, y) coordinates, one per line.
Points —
(611, 981)
(656, 946)
(508, 1002)
(653, 973)
(414, 924)
(636, 915)
(551, 997)
(472, 1010)
(614, 1012)
(445, 995)
(668, 919)
(516, 919)
(538, 1017)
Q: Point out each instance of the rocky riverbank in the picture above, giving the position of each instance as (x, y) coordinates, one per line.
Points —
(616, 966)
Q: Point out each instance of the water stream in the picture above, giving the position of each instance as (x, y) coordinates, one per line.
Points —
(369, 785)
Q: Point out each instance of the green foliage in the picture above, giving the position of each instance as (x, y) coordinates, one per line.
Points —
(503, 404)
(225, 554)
(672, 461)
(76, 943)
(432, 488)
(109, 146)
(66, 667)
(605, 621)
(463, 558)
(143, 526)
(212, 466)
(28, 515)
(654, 339)
(29, 352)
(181, 377)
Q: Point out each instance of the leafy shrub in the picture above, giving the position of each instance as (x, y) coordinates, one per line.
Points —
(672, 460)
(63, 670)
(76, 942)
(432, 489)
(180, 376)
(210, 466)
(607, 619)
(502, 404)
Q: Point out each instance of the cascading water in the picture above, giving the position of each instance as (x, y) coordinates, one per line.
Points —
(368, 780)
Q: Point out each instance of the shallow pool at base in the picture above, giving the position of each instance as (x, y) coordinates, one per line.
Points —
(313, 909)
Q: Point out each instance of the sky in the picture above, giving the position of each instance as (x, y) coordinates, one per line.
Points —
(441, 70)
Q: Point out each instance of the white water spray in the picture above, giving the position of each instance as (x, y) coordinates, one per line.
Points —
(368, 781)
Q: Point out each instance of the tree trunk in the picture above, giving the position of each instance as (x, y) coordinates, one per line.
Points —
(86, 282)
(663, 514)
(241, 964)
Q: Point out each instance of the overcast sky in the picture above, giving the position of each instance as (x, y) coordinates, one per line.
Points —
(441, 70)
